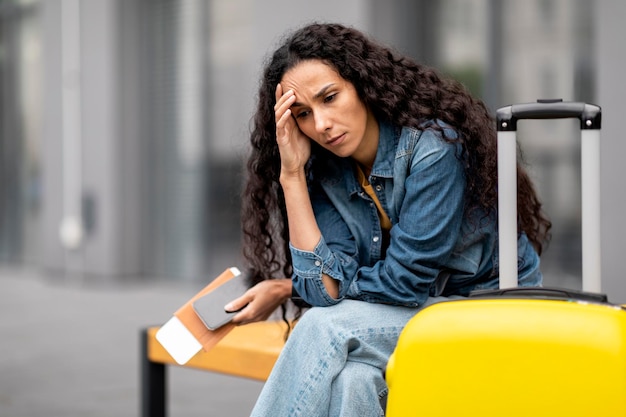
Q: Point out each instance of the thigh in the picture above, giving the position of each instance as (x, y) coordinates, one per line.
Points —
(365, 332)
(351, 315)
(322, 343)
(368, 331)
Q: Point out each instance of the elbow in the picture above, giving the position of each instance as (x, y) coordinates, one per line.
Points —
(316, 292)
(332, 286)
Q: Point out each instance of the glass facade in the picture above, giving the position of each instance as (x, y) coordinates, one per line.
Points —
(21, 175)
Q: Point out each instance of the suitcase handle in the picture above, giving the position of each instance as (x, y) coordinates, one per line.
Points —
(590, 115)
(543, 292)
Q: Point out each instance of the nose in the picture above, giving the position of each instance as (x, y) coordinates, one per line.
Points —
(322, 121)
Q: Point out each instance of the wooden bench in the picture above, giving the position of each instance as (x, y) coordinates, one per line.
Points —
(248, 351)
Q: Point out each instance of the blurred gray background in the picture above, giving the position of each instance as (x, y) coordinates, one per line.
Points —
(123, 131)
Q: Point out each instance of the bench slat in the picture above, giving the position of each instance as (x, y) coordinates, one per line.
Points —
(248, 351)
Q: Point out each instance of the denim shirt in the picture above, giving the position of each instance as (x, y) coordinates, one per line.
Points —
(434, 248)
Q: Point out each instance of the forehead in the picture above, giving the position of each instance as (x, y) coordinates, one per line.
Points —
(309, 76)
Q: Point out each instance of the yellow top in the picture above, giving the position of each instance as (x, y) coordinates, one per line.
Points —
(385, 223)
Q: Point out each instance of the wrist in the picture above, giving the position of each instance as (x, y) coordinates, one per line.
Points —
(285, 288)
(295, 177)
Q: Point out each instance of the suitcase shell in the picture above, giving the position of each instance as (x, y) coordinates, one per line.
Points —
(510, 357)
(520, 352)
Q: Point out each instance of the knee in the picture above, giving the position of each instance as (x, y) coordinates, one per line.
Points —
(360, 386)
(316, 322)
(326, 326)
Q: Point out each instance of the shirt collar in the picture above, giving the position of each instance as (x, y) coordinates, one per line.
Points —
(389, 137)
(385, 155)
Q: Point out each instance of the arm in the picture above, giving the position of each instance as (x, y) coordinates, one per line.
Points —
(295, 150)
(428, 229)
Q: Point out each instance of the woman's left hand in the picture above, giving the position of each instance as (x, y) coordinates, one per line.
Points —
(260, 301)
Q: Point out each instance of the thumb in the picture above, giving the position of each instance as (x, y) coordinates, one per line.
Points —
(237, 304)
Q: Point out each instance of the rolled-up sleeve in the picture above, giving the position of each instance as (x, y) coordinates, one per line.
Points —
(428, 229)
(308, 268)
(430, 214)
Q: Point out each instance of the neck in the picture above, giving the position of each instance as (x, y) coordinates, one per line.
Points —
(367, 170)
(367, 155)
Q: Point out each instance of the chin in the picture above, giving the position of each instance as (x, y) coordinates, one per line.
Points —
(340, 153)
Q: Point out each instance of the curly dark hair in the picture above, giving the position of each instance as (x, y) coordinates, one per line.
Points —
(397, 90)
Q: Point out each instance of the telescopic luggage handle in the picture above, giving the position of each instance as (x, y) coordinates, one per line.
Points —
(590, 123)
(589, 115)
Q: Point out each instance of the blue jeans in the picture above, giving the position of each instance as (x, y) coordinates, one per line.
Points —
(333, 362)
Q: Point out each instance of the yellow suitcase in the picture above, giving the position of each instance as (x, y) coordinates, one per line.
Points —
(520, 352)
(510, 357)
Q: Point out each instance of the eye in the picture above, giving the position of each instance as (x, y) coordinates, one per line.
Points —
(302, 114)
(329, 98)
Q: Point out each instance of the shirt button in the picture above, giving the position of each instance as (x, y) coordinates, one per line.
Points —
(379, 187)
(375, 239)
(317, 263)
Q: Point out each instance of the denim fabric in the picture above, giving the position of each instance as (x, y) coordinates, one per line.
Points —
(435, 249)
(333, 363)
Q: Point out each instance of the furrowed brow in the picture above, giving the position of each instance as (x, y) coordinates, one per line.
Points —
(317, 95)
(323, 91)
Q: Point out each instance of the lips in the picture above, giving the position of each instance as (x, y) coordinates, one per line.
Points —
(335, 140)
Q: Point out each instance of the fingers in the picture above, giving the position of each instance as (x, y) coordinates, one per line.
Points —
(245, 304)
(249, 314)
(282, 121)
(258, 302)
(282, 110)
(238, 303)
(279, 92)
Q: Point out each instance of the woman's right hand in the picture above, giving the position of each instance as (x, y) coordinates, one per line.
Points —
(260, 301)
(293, 145)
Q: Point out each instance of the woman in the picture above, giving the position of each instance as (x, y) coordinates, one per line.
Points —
(372, 186)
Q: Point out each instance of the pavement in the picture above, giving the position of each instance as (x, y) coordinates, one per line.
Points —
(70, 348)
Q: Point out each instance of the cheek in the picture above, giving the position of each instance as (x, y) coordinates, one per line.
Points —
(307, 127)
(358, 118)
(362, 111)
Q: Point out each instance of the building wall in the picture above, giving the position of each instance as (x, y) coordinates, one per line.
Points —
(610, 56)
(167, 90)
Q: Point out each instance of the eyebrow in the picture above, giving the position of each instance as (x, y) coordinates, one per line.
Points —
(317, 95)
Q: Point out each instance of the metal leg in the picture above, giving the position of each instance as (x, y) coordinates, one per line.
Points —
(153, 383)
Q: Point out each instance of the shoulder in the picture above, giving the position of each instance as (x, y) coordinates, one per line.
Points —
(432, 137)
